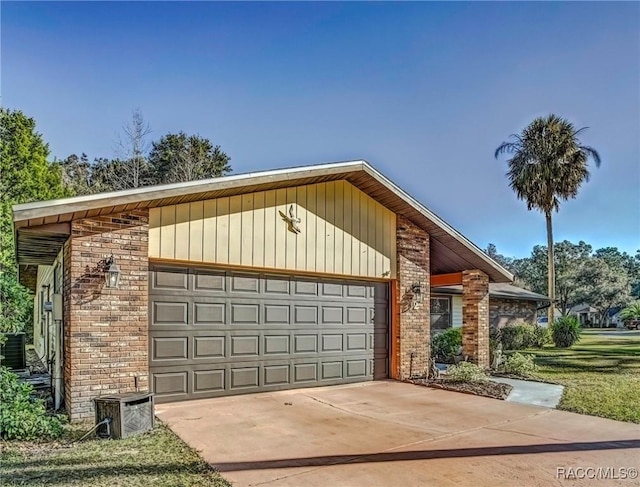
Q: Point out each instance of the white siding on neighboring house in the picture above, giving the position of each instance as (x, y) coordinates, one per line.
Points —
(456, 311)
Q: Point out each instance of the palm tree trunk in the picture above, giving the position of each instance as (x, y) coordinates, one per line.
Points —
(551, 268)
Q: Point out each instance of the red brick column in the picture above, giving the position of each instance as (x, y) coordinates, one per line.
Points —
(105, 330)
(412, 342)
(475, 317)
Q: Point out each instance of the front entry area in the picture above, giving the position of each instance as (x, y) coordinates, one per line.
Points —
(215, 332)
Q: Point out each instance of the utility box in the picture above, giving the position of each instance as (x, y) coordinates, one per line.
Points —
(128, 414)
(57, 307)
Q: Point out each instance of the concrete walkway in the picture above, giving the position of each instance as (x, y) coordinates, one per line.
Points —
(386, 433)
(532, 393)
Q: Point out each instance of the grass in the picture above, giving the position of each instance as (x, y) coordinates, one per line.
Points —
(601, 374)
(157, 458)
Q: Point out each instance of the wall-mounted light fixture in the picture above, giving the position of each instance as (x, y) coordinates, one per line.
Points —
(416, 289)
(111, 273)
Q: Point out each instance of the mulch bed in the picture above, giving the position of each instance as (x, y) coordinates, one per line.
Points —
(487, 388)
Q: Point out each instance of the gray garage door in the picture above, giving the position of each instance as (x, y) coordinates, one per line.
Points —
(215, 333)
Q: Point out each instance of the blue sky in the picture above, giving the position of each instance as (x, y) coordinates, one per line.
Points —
(424, 91)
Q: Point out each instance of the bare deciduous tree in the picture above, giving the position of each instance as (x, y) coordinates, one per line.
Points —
(131, 168)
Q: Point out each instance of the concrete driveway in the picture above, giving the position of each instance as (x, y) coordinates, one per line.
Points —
(393, 434)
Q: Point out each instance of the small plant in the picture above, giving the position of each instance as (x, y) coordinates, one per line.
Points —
(565, 331)
(21, 416)
(466, 372)
(519, 364)
(445, 345)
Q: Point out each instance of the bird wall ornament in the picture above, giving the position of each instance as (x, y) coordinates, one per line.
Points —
(292, 220)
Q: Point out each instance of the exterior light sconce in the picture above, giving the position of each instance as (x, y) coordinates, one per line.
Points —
(417, 295)
(416, 289)
(111, 273)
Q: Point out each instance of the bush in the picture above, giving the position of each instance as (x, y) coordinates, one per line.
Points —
(466, 372)
(524, 335)
(519, 364)
(21, 416)
(565, 331)
(541, 336)
(445, 345)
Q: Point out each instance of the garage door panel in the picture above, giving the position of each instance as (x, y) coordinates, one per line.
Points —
(276, 285)
(277, 314)
(238, 332)
(169, 348)
(245, 283)
(172, 278)
(209, 347)
(209, 314)
(244, 377)
(277, 344)
(206, 281)
(205, 381)
(170, 313)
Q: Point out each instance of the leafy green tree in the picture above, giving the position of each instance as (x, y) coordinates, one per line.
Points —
(603, 284)
(492, 251)
(548, 165)
(77, 174)
(181, 157)
(25, 175)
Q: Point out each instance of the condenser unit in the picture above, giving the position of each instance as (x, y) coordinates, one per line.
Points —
(13, 351)
(123, 415)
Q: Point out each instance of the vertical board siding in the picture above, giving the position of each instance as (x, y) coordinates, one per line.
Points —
(342, 231)
(456, 311)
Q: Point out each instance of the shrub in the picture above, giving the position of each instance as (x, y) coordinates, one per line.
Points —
(565, 331)
(524, 335)
(466, 372)
(541, 336)
(445, 345)
(519, 364)
(21, 416)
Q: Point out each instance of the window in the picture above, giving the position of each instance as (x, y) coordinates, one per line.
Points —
(440, 313)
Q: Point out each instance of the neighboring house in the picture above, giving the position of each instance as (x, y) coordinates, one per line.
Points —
(272, 280)
(613, 318)
(587, 315)
(507, 305)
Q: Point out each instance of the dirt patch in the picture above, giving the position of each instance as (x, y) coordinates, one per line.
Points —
(494, 390)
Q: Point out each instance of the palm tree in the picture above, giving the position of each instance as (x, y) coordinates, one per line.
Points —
(548, 165)
(631, 312)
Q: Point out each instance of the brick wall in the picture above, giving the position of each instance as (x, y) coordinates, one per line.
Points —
(106, 330)
(503, 312)
(475, 317)
(413, 338)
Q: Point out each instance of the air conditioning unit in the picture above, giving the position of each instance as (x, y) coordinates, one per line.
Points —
(124, 415)
(13, 351)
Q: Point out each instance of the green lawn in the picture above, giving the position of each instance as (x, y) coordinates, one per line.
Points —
(601, 374)
(158, 458)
